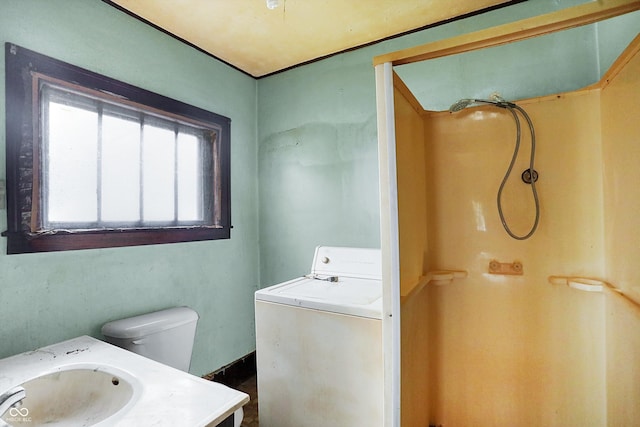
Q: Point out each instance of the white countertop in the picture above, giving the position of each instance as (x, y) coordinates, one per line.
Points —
(168, 396)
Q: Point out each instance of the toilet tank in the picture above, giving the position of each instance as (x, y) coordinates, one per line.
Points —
(165, 336)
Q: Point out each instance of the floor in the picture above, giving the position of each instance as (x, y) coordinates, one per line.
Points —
(241, 375)
(250, 386)
(247, 385)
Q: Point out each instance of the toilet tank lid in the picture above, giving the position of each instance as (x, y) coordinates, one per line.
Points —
(150, 323)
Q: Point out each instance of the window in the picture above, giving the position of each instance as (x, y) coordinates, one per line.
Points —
(93, 162)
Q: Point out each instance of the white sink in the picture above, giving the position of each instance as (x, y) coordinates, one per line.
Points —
(74, 397)
(87, 382)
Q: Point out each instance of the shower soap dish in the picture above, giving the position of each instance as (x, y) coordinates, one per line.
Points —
(580, 283)
(589, 284)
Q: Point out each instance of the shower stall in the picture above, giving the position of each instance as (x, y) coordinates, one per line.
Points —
(510, 302)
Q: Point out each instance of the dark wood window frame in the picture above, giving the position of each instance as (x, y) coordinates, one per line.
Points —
(24, 70)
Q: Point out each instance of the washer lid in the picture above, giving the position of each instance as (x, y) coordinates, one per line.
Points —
(353, 262)
(349, 295)
(347, 290)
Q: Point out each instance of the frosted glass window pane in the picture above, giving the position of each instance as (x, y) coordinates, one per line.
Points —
(158, 174)
(120, 170)
(72, 164)
(189, 192)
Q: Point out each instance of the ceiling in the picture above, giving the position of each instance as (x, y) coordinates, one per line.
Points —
(261, 41)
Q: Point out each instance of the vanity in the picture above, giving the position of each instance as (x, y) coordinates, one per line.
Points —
(87, 382)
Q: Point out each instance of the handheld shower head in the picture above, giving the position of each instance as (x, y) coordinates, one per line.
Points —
(497, 101)
(464, 103)
(461, 105)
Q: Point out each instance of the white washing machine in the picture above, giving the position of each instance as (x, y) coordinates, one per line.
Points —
(319, 344)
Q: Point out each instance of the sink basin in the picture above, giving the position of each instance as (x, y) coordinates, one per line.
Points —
(87, 382)
(73, 397)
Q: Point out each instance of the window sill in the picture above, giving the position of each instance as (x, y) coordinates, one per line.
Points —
(19, 243)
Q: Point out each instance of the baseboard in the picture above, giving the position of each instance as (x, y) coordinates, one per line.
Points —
(235, 372)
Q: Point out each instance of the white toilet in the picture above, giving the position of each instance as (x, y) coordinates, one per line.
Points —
(165, 336)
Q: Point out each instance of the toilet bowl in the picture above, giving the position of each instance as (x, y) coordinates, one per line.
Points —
(165, 336)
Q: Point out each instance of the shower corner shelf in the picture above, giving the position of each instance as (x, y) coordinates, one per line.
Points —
(436, 277)
(585, 284)
(443, 277)
(589, 284)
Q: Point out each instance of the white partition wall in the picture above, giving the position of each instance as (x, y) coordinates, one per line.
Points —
(389, 244)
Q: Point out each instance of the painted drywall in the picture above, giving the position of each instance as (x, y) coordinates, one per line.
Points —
(614, 35)
(318, 173)
(318, 164)
(47, 298)
(554, 63)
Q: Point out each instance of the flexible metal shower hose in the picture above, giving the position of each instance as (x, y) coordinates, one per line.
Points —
(511, 108)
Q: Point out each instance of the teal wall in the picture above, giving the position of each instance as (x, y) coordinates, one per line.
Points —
(318, 145)
(45, 298)
(614, 35)
(318, 163)
(551, 64)
(304, 173)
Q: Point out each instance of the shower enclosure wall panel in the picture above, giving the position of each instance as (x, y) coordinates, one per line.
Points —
(621, 157)
(412, 197)
(521, 350)
(506, 350)
(416, 346)
(509, 338)
(467, 154)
